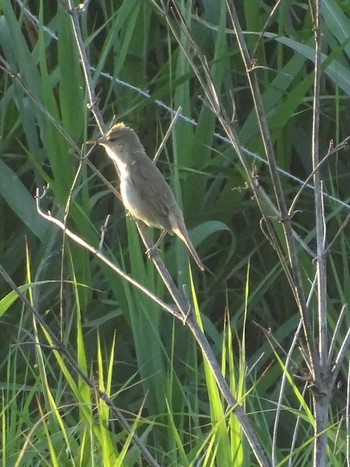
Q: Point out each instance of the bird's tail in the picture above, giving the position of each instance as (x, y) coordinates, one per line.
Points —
(186, 239)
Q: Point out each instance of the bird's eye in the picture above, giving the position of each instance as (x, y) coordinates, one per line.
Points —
(113, 138)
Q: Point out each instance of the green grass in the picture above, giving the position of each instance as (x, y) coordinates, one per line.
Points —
(146, 361)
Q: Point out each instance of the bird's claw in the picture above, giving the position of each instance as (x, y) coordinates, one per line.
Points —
(151, 252)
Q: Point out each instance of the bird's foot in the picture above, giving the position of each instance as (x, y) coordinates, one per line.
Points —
(188, 313)
(151, 252)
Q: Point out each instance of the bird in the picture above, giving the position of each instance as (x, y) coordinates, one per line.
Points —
(144, 191)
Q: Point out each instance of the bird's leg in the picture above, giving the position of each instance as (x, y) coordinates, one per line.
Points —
(151, 251)
(188, 313)
(103, 233)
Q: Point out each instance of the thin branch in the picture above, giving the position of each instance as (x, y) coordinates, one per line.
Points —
(211, 95)
(34, 20)
(93, 100)
(214, 102)
(102, 257)
(183, 307)
(167, 134)
(263, 30)
(186, 119)
(318, 195)
(339, 146)
(284, 380)
(281, 393)
(340, 230)
(76, 150)
(291, 461)
(335, 335)
(183, 314)
(339, 359)
(297, 285)
(323, 390)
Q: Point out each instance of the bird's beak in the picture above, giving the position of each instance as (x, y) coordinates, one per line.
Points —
(96, 142)
(92, 141)
(102, 140)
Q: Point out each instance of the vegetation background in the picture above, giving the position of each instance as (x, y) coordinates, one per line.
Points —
(147, 361)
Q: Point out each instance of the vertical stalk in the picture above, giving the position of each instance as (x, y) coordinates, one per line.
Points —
(295, 269)
(321, 395)
(318, 193)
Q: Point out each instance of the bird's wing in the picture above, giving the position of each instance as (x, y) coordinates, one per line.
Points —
(153, 190)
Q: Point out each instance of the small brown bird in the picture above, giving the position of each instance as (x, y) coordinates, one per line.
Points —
(145, 193)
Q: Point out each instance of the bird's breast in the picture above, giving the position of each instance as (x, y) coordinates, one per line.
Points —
(136, 203)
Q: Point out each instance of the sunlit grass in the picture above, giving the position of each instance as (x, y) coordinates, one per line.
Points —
(144, 360)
